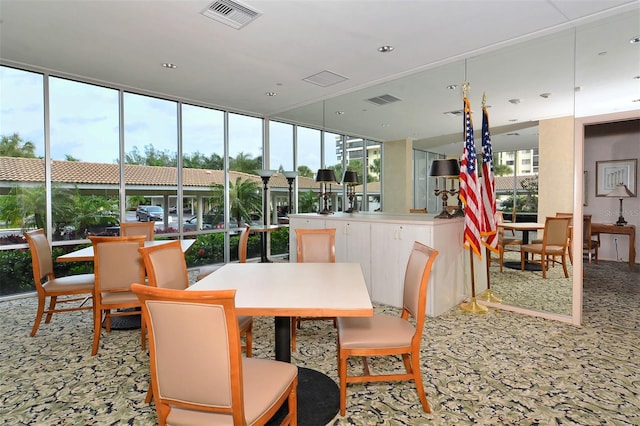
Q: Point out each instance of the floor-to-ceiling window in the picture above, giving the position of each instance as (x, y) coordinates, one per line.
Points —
(113, 152)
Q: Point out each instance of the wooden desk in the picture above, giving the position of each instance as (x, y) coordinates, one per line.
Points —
(284, 290)
(86, 254)
(611, 228)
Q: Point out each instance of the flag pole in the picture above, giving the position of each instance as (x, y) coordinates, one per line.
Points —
(472, 306)
(488, 294)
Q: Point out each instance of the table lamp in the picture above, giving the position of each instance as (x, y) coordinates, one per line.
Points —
(350, 179)
(621, 191)
(445, 168)
(324, 176)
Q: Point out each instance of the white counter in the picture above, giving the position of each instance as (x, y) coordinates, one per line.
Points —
(381, 243)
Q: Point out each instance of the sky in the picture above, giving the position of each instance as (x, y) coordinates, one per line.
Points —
(85, 124)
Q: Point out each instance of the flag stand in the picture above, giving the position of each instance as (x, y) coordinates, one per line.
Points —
(472, 306)
(488, 294)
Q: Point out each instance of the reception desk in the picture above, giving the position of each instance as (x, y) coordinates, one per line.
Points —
(381, 244)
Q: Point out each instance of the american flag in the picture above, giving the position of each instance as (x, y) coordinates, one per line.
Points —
(469, 187)
(488, 229)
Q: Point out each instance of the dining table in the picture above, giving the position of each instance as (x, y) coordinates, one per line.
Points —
(263, 230)
(524, 228)
(283, 290)
(86, 254)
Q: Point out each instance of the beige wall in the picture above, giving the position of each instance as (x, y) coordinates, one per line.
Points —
(556, 165)
(397, 176)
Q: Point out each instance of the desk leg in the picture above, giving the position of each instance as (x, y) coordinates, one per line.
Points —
(283, 338)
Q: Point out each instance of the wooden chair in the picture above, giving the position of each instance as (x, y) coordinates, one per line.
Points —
(167, 268)
(197, 372)
(590, 245)
(116, 264)
(47, 285)
(418, 210)
(147, 229)
(242, 254)
(570, 245)
(555, 242)
(503, 241)
(385, 335)
(314, 245)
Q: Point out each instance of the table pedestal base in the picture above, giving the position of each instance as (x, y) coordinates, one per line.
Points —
(318, 399)
(527, 266)
(127, 322)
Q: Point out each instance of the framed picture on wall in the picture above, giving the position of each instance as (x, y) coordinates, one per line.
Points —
(613, 172)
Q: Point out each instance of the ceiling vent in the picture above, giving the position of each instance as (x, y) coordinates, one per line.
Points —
(325, 78)
(231, 13)
(383, 100)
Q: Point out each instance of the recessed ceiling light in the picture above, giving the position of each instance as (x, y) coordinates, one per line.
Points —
(602, 53)
(271, 93)
(577, 88)
(386, 125)
(513, 134)
(513, 120)
(637, 77)
(545, 95)
(635, 39)
(339, 112)
(515, 101)
(636, 100)
(452, 86)
(170, 65)
(385, 49)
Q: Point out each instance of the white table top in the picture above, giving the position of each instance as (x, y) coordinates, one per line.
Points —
(293, 289)
(522, 226)
(86, 254)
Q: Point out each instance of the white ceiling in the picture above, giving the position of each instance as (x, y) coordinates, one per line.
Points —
(124, 43)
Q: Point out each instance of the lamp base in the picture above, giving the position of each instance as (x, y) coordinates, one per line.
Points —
(444, 215)
(621, 221)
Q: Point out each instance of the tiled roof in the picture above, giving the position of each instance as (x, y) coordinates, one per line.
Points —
(13, 169)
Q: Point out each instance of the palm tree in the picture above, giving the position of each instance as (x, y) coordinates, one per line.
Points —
(14, 146)
(244, 199)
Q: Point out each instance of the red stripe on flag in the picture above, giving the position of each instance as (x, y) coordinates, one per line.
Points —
(469, 186)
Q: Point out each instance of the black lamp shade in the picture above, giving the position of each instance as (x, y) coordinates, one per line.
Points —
(325, 175)
(447, 167)
(350, 177)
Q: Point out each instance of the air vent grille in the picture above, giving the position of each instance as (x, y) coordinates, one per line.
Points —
(325, 78)
(231, 13)
(383, 99)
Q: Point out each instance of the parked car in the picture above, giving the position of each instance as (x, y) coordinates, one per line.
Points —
(192, 225)
(149, 213)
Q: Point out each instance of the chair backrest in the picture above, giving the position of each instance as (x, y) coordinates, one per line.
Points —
(194, 349)
(165, 265)
(41, 260)
(117, 262)
(416, 280)
(316, 245)
(556, 231)
(128, 229)
(586, 231)
(243, 243)
(499, 219)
